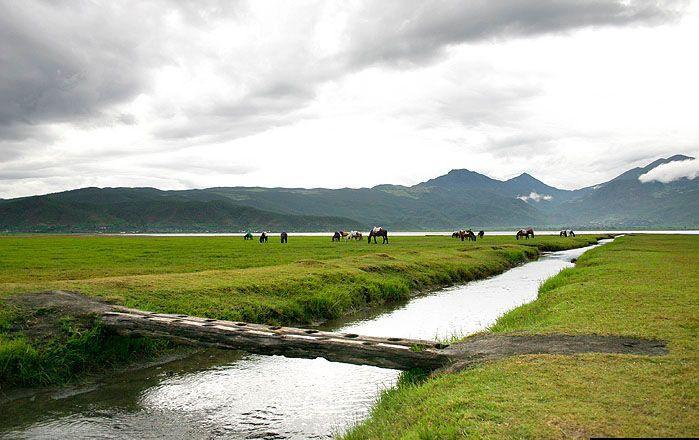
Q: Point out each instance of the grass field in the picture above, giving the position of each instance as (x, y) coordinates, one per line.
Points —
(307, 280)
(643, 286)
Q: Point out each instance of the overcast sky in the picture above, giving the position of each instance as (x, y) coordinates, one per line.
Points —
(193, 94)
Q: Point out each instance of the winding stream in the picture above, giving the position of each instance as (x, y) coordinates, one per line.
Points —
(228, 394)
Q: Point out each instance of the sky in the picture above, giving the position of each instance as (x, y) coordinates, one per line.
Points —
(194, 94)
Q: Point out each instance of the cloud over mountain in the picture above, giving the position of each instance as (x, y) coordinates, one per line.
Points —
(671, 171)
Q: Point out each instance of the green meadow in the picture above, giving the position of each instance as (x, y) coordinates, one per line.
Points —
(645, 286)
(308, 280)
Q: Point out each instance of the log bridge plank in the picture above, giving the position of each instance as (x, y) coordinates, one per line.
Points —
(394, 353)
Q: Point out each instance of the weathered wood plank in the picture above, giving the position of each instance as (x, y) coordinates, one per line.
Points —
(395, 353)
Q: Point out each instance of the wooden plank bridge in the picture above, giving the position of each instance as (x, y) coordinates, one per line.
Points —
(395, 352)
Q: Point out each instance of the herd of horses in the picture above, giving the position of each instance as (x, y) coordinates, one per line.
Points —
(377, 231)
(467, 234)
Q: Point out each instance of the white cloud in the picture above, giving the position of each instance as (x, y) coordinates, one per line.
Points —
(535, 197)
(671, 171)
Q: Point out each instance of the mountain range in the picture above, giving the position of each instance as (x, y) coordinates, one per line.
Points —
(460, 198)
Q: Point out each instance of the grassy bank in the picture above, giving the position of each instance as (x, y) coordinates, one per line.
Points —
(643, 286)
(308, 280)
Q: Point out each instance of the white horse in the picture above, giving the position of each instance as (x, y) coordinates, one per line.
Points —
(355, 235)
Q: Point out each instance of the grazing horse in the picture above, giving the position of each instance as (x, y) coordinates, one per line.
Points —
(525, 233)
(247, 236)
(345, 235)
(285, 237)
(567, 233)
(481, 234)
(464, 235)
(263, 237)
(337, 236)
(377, 231)
(355, 235)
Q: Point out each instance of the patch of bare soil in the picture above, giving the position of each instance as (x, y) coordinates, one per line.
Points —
(486, 347)
(40, 316)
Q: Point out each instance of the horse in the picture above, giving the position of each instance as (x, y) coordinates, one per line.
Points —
(567, 233)
(285, 237)
(263, 237)
(464, 235)
(356, 235)
(525, 233)
(481, 234)
(247, 236)
(345, 235)
(336, 236)
(377, 231)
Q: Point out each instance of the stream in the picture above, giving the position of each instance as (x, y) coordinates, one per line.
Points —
(231, 394)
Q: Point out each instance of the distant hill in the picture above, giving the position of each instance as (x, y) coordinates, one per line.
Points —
(149, 210)
(457, 199)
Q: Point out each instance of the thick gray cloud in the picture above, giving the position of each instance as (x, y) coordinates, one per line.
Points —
(70, 61)
(414, 31)
(186, 73)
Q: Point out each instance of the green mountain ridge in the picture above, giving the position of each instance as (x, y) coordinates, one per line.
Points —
(460, 198)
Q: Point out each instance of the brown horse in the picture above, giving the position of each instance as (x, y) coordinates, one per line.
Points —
(464, 235)
(525, 233)
(356, 235)
(378, 232)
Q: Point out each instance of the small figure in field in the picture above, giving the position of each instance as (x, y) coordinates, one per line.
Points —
(481, 234)
(263, 237)
(470, 235)
(526, 233)
(284, 237)
(345, 235)
(456, 234)
(355, 235)
(337, 236)
(377, 231)
(248, 236)
(567, 233)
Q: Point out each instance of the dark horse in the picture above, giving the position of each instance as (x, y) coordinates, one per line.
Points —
(285, 237)
(481, 234)
(248, 236)
(525, 233)
(567, 233)
(464, 235)
(337, 236)
(263, 237)
(378, 232)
